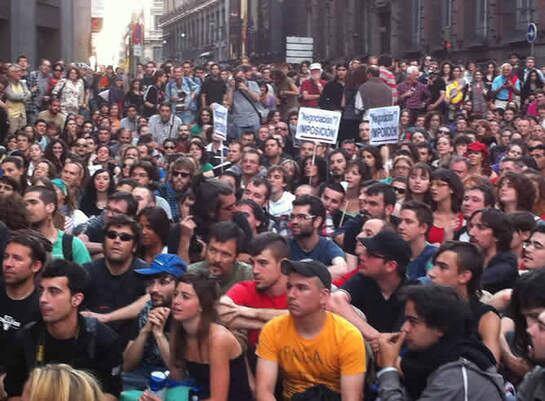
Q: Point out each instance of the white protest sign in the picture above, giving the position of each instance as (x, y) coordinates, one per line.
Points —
(318, 125)
(220, 121)
(384, 125)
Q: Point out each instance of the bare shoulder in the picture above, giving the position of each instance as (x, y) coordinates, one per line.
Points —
(222, 337)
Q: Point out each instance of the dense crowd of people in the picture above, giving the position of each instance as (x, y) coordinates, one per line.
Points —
(135, 239)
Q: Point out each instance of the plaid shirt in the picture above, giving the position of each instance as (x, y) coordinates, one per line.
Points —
(418, 99)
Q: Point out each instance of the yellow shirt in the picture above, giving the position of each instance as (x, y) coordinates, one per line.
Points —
(16, 109)
(337, 350)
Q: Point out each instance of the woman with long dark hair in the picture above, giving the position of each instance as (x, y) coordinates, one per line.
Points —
(96, 192)
(204, 119)
(314, 171)
(135, 96)
(419, 183)
(357, 172)
(56, 152)
(155, 229)
(531, 84)
(447, 193)
(200, 346)
(350, 120)
(373, 160)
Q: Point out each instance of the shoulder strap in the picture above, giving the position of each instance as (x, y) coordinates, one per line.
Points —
(67, 249)
(91, 329)
(29, 345)
(251, 103)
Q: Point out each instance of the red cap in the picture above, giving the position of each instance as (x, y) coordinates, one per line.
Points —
(478, 147)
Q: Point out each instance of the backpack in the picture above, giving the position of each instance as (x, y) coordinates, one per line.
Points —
(67, 247)
(32, 349)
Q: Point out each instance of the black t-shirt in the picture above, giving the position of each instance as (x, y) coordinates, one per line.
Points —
(14, 315)
(385, 315)
(107, 292)
(97, 351)
(214, 89)
(152, 95)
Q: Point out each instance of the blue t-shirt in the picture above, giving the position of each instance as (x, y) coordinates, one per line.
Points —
(325, 251)
(419, 266)
(503, 94)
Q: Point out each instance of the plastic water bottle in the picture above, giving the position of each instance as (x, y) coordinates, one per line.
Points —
(157, 384)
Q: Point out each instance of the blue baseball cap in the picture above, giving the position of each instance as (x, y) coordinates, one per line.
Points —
(165, 263)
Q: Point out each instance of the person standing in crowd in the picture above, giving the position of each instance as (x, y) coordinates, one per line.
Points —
(17, 94)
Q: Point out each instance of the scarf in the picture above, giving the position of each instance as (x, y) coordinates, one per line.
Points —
(417, 366)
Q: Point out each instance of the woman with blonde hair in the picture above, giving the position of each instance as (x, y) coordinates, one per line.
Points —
(61, 383)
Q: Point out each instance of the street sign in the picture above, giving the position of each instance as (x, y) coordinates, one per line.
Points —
(531, 34)
(299, 49)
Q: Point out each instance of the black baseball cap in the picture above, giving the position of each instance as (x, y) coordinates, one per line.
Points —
(390, 245)
(308, 268)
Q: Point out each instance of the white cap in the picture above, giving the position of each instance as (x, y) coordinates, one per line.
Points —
(315, 66)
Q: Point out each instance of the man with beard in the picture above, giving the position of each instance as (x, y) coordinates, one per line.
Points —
(41, 205)
(306, 221)
(24, 257)
(114, 283)
(442, 360)
(225, 242)
(180, 174)
(337, 164)
(147, 351)
(534, 250)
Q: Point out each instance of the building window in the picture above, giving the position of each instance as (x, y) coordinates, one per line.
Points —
(481, 25)
(447, 13)
(417, 22)
(524, 12)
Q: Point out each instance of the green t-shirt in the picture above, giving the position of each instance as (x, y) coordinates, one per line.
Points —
(241, 272)
(80, 254)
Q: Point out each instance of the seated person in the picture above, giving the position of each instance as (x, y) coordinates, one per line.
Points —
(310, 346)
(207, 351)
(147, 350)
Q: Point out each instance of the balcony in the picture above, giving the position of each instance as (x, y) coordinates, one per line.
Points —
(187, 8)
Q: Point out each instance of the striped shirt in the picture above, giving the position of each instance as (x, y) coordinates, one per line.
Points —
(389, 79)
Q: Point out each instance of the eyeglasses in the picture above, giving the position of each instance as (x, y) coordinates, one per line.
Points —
(169, 147)
(538, 147)
(182, 174)
(122, 236)
(301, 216)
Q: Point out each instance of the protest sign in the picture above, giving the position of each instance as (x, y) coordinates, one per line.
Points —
(318, 125)
(220, 121)
(384, 125)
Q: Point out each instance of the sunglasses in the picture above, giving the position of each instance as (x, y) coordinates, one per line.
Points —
(122, 236)
(180, 174)
(399, 190)
(169, 147)
(538, 147)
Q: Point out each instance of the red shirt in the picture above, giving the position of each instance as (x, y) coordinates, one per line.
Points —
(244, 293)
(311, 88)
